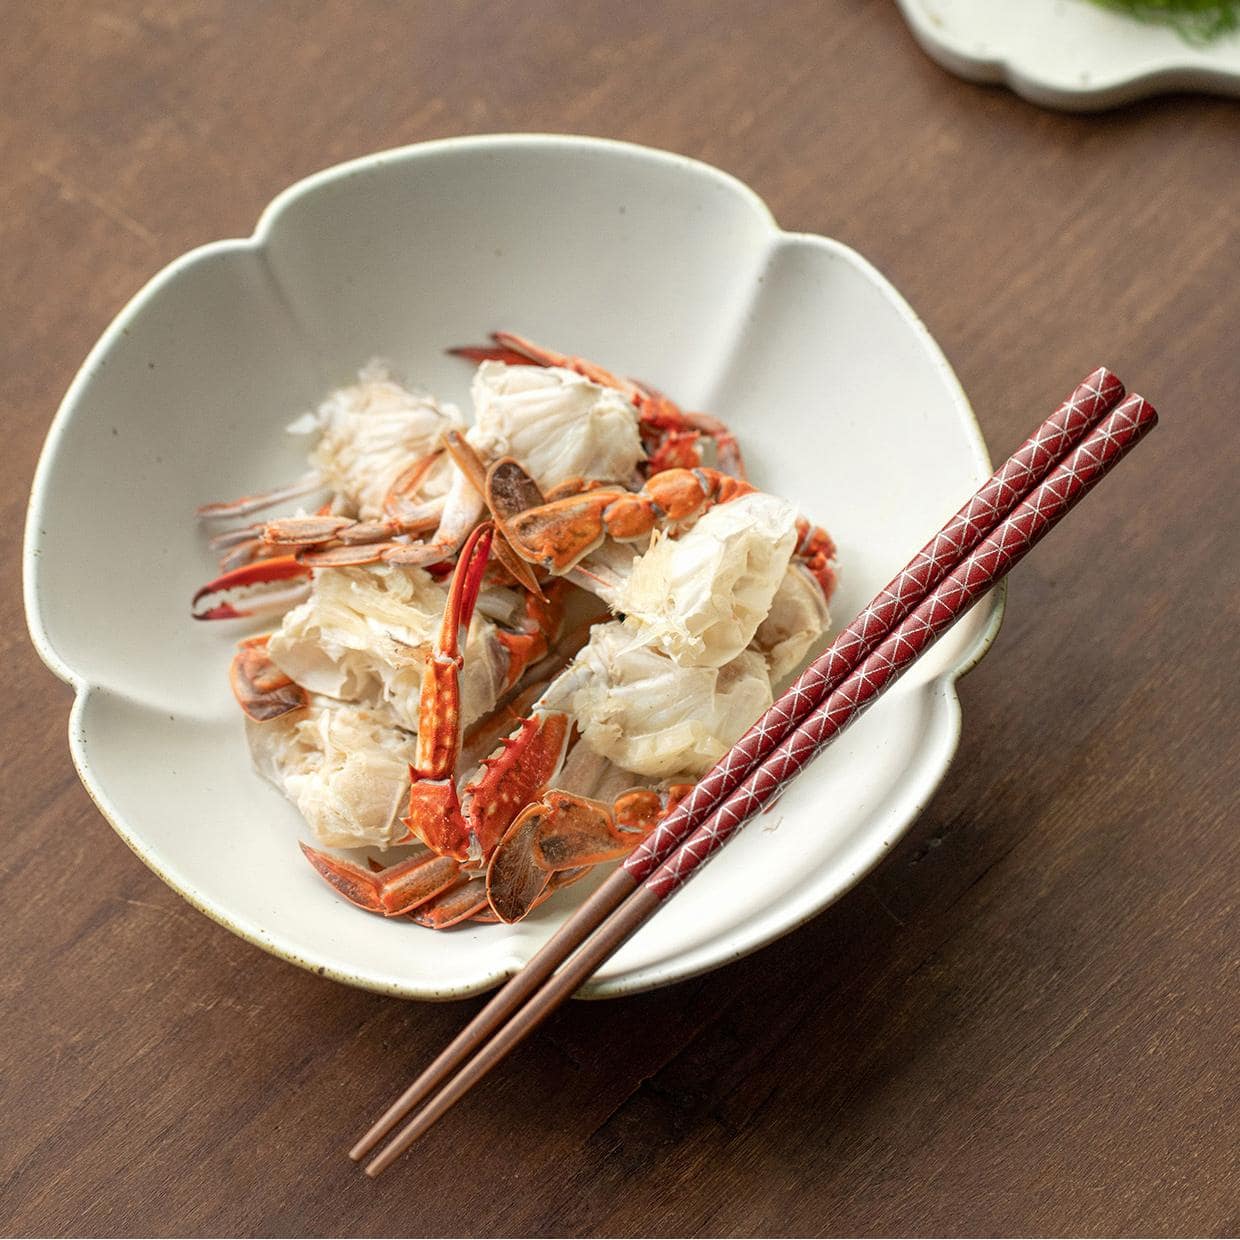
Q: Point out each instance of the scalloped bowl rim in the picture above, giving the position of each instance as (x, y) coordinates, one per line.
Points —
(744, 939)
(1187, 68)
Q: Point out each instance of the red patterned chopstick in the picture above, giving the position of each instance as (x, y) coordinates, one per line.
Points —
(976, 573)
(1089, 401)
(1095, 396)
(973, 575)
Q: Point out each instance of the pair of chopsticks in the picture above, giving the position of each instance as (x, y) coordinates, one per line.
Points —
(1060, 463)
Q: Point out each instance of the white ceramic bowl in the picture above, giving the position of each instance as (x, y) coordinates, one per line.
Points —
(652, 264)
(1069, 54)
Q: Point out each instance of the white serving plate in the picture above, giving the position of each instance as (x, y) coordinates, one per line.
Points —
(653, 264)
(1068, 53)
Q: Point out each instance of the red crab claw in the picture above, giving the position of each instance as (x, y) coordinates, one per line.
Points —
(248, 590)
(514, 775)
(473, 822)
(398, 889)
(434, 809)
(506, 782)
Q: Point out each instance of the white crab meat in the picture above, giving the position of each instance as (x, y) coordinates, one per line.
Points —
(587, 773)
(558, 424)
(345, 768)
(652, 715)
(606, 570)
(797, 619)
(363, 635)
(373, 431)
(700, 597)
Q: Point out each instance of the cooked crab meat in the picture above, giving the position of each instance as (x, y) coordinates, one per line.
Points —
(587, 773)
(700, 597)
(558, 424)
(363, 634)
(371, 433)
(345, 768)
(797, 618)
(653, 716)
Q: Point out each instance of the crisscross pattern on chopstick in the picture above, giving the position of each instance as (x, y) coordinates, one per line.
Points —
(622, 904)
(975, 574)
(1092, 398)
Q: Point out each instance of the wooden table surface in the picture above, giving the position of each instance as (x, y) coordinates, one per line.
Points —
(1027, 1020)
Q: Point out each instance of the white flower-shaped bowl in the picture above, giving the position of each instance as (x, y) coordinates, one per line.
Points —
(654, 265)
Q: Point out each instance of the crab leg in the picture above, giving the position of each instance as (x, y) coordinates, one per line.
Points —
(727, 450)
(462, 511)
(397, 889)
(248, 551)
(435, 814)
(305, 485)
(471, 824)
(560, 533)
(317, 538)
(466, 899)
(305, 531)
(398, 502)
(230, 538)
(327, 540)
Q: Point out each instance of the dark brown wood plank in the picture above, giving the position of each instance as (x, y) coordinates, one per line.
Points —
(1026, 1020)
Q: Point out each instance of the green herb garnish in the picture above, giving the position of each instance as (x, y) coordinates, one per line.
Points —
(1198, 21)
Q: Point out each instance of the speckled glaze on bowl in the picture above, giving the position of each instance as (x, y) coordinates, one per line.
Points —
(651, 263)
(1069, 54)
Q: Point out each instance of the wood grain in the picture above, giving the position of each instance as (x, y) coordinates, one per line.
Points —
(1027, 1019)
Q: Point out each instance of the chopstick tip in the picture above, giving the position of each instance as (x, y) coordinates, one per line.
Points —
(380, 1163)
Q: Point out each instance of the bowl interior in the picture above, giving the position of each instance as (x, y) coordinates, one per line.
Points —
(653, 265)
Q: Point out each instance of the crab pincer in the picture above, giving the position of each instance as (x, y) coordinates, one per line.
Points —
(253, 589)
